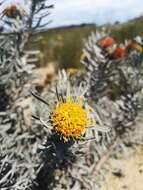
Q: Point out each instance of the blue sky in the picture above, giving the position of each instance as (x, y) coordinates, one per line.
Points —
(68, 12)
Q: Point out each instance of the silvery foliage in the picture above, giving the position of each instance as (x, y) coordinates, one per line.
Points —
(116, 85)
(19, 161)
(14, 71)
(13, 59)
(15, 169)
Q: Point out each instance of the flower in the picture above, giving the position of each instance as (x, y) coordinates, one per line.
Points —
(106, 42)
(72, 71)
(10, 11)
(134, 46)
(84, 57)
(70, 119)
(119, 53)
(69, 115)
(13, 11)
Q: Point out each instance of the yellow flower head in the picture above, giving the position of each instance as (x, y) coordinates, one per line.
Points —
(70, 119)
(69, 115)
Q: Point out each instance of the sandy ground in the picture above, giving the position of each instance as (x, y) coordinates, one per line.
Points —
(126, 172)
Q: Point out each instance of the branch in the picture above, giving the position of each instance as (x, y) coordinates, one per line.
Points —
(105, 157)
(43, 25)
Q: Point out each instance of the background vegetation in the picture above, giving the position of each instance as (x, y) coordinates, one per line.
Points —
(63, 46)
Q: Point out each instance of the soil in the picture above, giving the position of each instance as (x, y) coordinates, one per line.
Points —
(126, 171)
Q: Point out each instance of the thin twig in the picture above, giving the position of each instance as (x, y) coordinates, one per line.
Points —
(105, 157)
(39, 98)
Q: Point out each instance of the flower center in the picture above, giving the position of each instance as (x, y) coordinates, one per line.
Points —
(69, 119)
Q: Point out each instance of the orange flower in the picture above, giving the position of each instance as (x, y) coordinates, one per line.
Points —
(119, 53)
(13, 8)
(10, 11)
(106, 42)
(134, 46)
